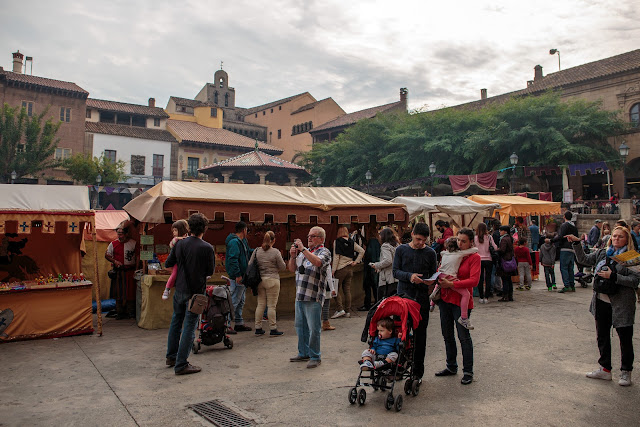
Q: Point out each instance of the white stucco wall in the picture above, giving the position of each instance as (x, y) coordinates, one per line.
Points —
(125, 147)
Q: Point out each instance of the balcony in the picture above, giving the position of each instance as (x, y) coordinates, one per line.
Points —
(194, 176)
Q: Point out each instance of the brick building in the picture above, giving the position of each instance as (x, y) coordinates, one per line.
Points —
(63, 101)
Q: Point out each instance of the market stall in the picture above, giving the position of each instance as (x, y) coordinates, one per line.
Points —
(42, 290)
(460, 211)
(287, 211)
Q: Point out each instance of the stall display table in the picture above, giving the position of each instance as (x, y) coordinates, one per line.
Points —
(46, 311)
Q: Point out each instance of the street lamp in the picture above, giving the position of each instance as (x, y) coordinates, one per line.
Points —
(432, 171)
(367, 175)
(98, 181)
(318, 181)
(514, 161)
(624, 152)
(553, 52)
(14, 175)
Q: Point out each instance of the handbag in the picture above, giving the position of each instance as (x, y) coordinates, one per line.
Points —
(198, 303)
(605, 286)
(251, 278)
(510, 266)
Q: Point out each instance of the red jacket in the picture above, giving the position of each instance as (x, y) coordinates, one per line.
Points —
(468, 277)
(448, 232)
(522, 254)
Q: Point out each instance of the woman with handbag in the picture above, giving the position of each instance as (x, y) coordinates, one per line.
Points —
(507, 265)
(613, 302)
(484, 242)
(270, 263)
(387, 284)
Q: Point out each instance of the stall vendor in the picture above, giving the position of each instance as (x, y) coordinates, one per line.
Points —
(123, 256)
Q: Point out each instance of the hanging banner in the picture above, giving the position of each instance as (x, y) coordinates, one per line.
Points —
(486, 181)
(583, 168)
(540, 170)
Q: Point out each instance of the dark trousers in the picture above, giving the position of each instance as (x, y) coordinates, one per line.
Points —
(484, 285)
(549, 276)
(449, 314)
(603, 331)
(420, 335)
(507, 286)
(385, 291)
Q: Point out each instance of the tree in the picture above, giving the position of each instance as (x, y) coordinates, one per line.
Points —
(85, 169)
(26, 145)
(543, 130)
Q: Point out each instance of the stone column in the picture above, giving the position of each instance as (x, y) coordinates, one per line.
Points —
(292, 179)
(227, 177)
(626, 209)
(263, 177)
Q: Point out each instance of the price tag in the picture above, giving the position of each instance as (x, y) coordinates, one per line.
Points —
(146, 255)
(146, 239)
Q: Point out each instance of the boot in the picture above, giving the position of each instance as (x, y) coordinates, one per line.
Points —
(326, 326)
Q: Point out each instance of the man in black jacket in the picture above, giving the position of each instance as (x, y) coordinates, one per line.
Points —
(195, 260)
(567, 255)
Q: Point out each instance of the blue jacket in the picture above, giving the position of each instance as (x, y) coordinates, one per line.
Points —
(237, 256)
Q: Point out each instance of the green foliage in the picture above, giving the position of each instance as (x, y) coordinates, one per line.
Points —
(85, 169)
(542, 130)
(26, 145)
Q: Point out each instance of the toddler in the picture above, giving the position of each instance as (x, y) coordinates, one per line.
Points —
(451, 260)
(384, 348)
(180, 230)
(523, 258)
(548, 260)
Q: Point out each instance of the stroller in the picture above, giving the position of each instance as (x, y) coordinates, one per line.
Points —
(406, 313)
(213, 323)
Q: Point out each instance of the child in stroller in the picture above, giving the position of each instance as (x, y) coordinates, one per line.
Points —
(399, 314)
(214, 322)
(384, 347)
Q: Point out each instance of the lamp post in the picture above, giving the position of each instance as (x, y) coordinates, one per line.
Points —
(98, 181)
(514, 161)
(14, 175)
(318, 181)
(368, 177)
(432, 171)
(553, 52)
(624, 152)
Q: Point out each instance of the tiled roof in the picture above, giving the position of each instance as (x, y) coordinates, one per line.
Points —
(253, 110)
(189, 131)
(121, 107)
(254, 159)
(130, 131)
(19, 78)
(349, 119)
(192, 102)
(309, 106)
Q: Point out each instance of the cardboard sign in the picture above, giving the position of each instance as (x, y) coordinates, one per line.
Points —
(146, 239)
(146, 255)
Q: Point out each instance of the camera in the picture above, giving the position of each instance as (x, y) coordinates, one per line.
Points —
(301, 269)
(605, 268)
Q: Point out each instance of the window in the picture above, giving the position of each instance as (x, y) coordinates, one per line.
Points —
(214, 112)
(279, 133)
(156, 122)
(158, 164)
(20, 148)
(88, 115)
(62, 153)
(107, 117)
(110, 155)
(193, 164)
(256, 115)
(29, 107)
(279, 107)
(272, 110)
(215, 98)
(137, 165)
(264, 112)
(226, 99)
(65, 114)
(634, 115)
(123, 119)
(141, 121)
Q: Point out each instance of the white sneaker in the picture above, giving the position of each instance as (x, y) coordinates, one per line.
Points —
(367, 366)
(347, 315)
(600, 374)
(165, 294)
(338, 314)
(625, 378)
(486, 301)
(465, 322)
(481, 301)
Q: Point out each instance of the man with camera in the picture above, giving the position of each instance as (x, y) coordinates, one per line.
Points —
(311, 264)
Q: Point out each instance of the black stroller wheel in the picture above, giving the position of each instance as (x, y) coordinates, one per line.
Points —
(228, 342)
(415, 387)
(353, 395)
(382, 383)
(389, 401)
(408, 384)
(398, 404)
(362, 396)
(374, 383)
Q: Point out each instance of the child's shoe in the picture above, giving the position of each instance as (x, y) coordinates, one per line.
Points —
(465, 322)
(432, 306)
(550, 288)
(528, 287)
(367, 366)
(378, 363)
(520, 288)
(165, 294)
(555, 288)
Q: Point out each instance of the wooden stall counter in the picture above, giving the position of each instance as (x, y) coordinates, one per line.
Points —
(51, 310)
(155, 313)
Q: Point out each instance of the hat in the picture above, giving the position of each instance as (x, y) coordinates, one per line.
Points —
(598, 221)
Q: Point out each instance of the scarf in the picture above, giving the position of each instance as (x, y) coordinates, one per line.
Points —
(345, 247)
(611, 252)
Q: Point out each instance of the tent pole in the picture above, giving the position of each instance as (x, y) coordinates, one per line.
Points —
(96, 281)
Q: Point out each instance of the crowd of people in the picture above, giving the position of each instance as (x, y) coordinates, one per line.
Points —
(443, 274)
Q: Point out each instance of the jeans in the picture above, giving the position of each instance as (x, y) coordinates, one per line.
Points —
(308, 325)
(237, 298)
(566, 268)
(179, 347)
(449, 314)
(420, 334)
(603, 331)
(534, 247)
(344, 276)
(549, 276)
(484, 285)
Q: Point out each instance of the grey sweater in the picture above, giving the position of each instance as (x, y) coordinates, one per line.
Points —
(548, 254)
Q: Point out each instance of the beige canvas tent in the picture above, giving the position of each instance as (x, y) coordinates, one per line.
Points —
(460, 211)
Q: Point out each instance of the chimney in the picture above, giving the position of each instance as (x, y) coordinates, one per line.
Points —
(538, 73)
(483, 94)
(403, 96)
(152, 102)
(17, 62)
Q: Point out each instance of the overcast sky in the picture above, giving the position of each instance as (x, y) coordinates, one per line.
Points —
(360, 53)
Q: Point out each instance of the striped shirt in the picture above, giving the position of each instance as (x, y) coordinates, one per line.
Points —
(310, 285)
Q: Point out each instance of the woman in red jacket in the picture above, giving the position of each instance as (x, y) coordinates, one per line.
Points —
(449, 303)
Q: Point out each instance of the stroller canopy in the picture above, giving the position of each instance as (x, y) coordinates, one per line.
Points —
(396, 306)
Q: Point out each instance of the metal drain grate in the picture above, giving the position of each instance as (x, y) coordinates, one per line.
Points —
(214, 411)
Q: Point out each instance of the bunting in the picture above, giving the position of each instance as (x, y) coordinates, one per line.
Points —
(583, 168)
(73, 227)
(540, 170)
(24, 227)
(48, 227)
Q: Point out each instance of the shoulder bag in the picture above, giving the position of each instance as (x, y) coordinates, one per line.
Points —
(510, 266)
(198, 303)
(251, 278)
